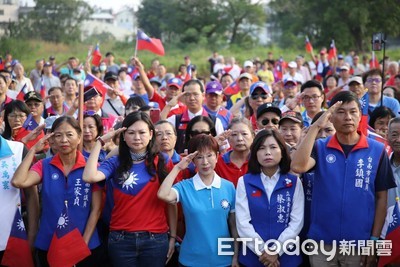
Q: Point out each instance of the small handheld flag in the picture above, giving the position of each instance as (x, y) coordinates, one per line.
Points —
(96, 55)
(309, 47)
(332, 50)
(42, 89)
(17, 252)
(393, 234)
(30, 124)
(67, 247)
(22, 93)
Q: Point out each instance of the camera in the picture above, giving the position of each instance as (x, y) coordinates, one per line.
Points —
(378, 41)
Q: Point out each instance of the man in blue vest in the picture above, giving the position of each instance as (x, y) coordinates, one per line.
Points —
(352, 176)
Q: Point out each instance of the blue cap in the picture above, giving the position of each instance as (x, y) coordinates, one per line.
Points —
(175, 82)
(214, 87)
(261, 85)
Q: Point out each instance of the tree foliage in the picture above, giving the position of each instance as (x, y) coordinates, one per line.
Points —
(350, 22)
(208, 22)
(53, 20)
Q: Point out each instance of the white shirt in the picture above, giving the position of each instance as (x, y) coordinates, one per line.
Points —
(243, 218)
(297, 77)
(219, 128)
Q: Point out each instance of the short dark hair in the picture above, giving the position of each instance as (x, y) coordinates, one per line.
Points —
(53, 89)
(254, 165)
(98, 121)
(9, 108)
(345, 97)
(311, 83)
(160, 122)
(67, 119)
(201, 142)
(195, 120)
(380, 112)
(193, 82)
(371, 72)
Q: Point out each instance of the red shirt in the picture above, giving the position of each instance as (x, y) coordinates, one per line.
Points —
(162, 102)
(228, 170)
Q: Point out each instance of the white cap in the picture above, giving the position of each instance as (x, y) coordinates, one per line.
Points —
(248, 63)
(292, 65)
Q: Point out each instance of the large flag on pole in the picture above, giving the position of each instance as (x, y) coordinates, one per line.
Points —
(309, 47)
(96, 55)
(67, 247)
(393, 235)
(17, 251)
(144, 42)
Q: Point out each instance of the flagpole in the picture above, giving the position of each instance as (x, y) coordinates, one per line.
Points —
(80, 112)
(136, 44)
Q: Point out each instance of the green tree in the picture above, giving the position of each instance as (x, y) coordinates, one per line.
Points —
(350, 23)
(56, 20)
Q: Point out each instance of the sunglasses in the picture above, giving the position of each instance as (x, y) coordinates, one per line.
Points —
(194, 133)
(266, 121)
(263, 96)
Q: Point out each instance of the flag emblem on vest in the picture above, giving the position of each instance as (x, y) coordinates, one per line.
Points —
(225, 204)
(331, 158)
(54, 176)
(256, 193)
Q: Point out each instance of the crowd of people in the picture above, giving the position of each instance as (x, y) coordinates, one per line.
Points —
(184, 170)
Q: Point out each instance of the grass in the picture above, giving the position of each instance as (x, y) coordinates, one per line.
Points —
(28, 52)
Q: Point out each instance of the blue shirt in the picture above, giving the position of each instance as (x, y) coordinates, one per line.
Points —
(388, 102)
(206, 210)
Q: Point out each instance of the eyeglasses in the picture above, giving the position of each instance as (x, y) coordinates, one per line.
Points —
(33, 104)
(266, 121)
(263, 96)
(89, 113)
(195, 95)
(376, 80)
(16, 116)
(194, 133)
(167, 134)
(307, 98)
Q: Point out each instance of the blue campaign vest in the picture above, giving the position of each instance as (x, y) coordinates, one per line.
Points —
(269, 219)
(54, 192)
(343, 196)
(308, 182)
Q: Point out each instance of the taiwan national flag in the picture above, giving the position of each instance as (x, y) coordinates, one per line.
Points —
(22, 93)
(17, 252)
(144, 42)
(374, 63)
(332, 50)
(363, 126)
(1, 64)
(309, 47)
(93, 81)
(189, 73)
(232, 89)
(42, 89)
(393, 235)
(67, 247)
(30, 124)
(96, 56)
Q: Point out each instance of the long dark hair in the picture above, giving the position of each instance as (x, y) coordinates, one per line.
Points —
(153, 153)
(254, 165)
(11, 107)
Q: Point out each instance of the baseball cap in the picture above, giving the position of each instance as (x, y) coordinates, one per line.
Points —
(292, 65)
(293, 116)
(214, 87)
(110, 75)
(356, 79)
(345, 67)
(32, 95)
(155, 80)
(261, 85)
(175, 82)
(136, 76)
(289, 80)
(340, 56)
(268, 107)
(248, 63)
(245, 75)
(47, 64)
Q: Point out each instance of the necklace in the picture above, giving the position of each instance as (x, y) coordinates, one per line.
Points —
(138, 156)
